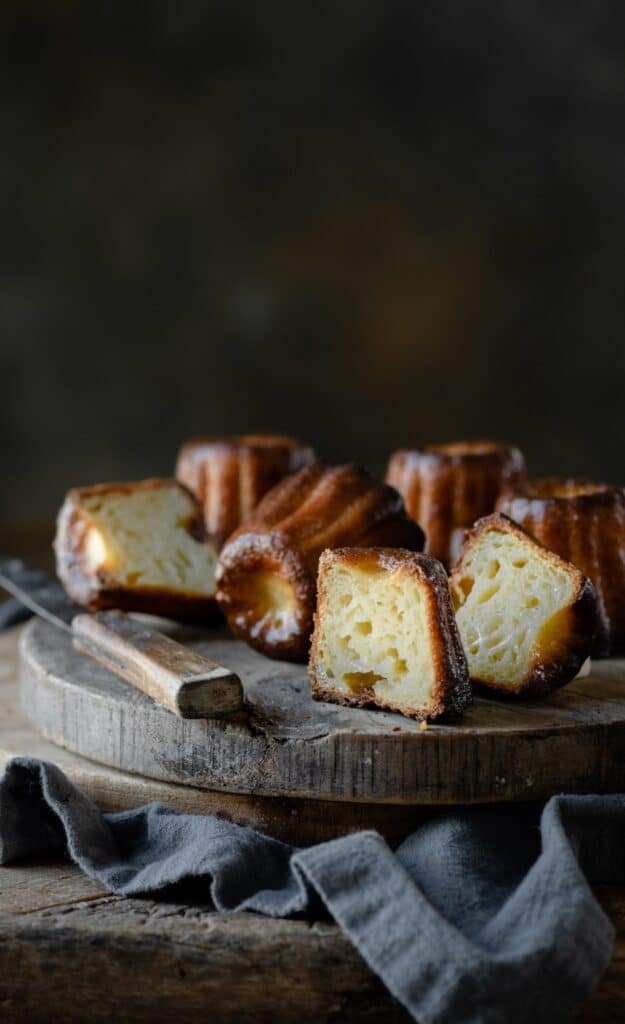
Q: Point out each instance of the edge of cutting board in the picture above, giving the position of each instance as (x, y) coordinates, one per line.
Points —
(295, 821)
(286, 745)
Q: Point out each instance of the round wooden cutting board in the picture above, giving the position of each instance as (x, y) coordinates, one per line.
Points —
(285, 744)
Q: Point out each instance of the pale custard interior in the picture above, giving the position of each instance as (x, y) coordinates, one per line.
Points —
(141, 539)
(373, 636)
(506, 599)
(271, 603)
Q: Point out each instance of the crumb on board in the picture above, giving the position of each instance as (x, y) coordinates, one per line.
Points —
(423, 726)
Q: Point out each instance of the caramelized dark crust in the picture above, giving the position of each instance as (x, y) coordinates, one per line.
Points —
(153, 601)
(562, 654)
(452, 689)
(584, 523)
(279, 547)
(447, 487)
(230, 475)
(98, 591)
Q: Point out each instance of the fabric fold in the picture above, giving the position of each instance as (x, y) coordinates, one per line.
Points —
(482, 915)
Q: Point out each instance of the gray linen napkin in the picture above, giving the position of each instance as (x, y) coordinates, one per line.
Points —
(12, 612)
(480, 916)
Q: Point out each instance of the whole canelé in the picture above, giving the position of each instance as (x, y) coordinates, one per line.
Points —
(448, 487)
(230, 475)
(266, 576)
(583, 523)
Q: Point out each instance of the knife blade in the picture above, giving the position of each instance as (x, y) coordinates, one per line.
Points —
(177, 677)
(41, 593)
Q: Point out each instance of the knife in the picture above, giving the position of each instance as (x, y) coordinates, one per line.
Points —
(180, 679)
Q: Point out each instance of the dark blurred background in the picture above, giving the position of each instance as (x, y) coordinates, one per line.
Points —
(370, 224)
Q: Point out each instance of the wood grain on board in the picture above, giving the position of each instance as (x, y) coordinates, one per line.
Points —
(300, 822)
(282, 743)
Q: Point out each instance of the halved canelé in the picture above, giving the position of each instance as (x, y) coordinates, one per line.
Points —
(266, 577)
(385, 634)
(139, 547)
(526, 617)
(584, 523)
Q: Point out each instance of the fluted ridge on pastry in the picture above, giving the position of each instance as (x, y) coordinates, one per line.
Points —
(446, 488)
(320, 507)
(320, 504)
(230, 475)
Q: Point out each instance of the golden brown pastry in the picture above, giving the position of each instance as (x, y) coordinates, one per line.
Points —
(266, 578)
(229, 475)
(526, 617)
(138, 547)
(447, 487)
(385, 634)
(584, 523)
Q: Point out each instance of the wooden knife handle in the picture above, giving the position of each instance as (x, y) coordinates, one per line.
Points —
(179, 678)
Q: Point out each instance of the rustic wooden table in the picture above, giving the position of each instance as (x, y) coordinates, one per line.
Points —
(70, 952)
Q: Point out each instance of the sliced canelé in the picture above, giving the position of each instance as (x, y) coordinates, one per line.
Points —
(139, 547)
(584, 523)
(526, 617)
(385, 634)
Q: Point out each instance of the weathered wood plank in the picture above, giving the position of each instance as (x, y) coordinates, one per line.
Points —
(135, 960)
(607, 1005)
(62, 950)
(27, 887)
